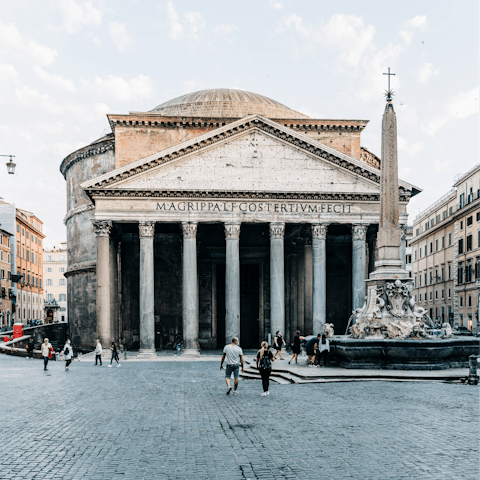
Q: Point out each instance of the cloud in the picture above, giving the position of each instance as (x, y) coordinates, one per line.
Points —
(51, 128)
(14, 45)
(120, 37)
(225, 32)
(8, 75)
(189, 27)
(95, 40)
(77, 15)
(411, 149)
(458, 107)
(275, 4)
(407, 116)
(426, 71)
(441, 166)
(308, 111)
(55, 80)
(121, 90)
(418, 22)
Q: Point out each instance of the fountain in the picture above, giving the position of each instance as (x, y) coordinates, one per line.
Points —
(390, 329)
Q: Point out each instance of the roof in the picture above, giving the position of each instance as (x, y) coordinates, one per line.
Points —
(225, 102)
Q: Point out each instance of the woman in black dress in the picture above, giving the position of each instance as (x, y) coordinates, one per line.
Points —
(296, 346)
(264, 365)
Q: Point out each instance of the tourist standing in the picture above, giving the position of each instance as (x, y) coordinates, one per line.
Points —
(264, 365)
(234, 356)
(278, 342)
(297, 346)
(68, 352)
(98, 353)
(30, 348)
(323, 349)
(311, 347)
(113, 348)
(47, 350)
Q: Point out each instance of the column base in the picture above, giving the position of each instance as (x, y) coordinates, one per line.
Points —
(190, 352)
(147, 353)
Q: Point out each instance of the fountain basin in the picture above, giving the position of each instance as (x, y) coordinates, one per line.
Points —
(408, 354)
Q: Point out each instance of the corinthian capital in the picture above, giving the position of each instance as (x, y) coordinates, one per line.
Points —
(277, 230)
(102, 227)
(232, 230)
(319, 232)
(146, 229)
(189, 230)
(359, 232)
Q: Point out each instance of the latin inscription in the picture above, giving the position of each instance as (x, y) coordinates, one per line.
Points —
(254, 207)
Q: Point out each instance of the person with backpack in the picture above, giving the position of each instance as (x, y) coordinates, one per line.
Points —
(68, 352)
(113, 348)
(264, 365)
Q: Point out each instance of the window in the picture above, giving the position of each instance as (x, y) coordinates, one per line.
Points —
(49, 258)
(461, 301)
(420, 280)
(415, 281)
(460, 245)
(478, 239)
(28, 256)
(449, 239)
(469, 221)
(48, 282)
(436, 245)
(426, 226)
(61, 281)
(420, 252)
(1, 255)
(468, 272)
(39, 242)
(62, 297)
(469, 300)
(61, 269)
(430, 295)
(431, 247)
(425, 278)
(478, 216)
(23, 231)
(443, 294)
(469, 243)
(18, 250)
(40, 283)
(62, 258)
(416, 251)
(8, 257)
(49, 269)
(436, 294)
(460, 273)
(443, 274)
(443, 242)
(28, 234)
(431, 277)
(18, 228)
(450, 210)
(28, 279)
(420, 297)
(2, 273)
(49, 297)
(444, 215)
(449, 293)
(462, 200)
(437, 218)
(417, 232)
(36, 240)
(425, 250)
(461, 224)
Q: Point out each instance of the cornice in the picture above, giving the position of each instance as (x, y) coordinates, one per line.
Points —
(77, 211)
(88, 151)
(76, 268)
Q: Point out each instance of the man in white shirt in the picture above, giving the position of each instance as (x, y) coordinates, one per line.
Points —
(234, 355)
(98, 353)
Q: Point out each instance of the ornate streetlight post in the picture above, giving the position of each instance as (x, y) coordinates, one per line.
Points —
(10, 165)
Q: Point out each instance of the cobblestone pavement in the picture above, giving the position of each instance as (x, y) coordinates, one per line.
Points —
(173, 421)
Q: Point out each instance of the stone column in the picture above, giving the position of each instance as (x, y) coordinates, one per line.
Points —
(104, 282)
(359, 265)
(308, 266)
(147, 297)
(277, 279)
(301, 286)
(293, 290)
(319, 253)
(232, 282)
(191, 326)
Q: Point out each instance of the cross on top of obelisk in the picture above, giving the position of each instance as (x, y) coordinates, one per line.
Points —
(389, 93)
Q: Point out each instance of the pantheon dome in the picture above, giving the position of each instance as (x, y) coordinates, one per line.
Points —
(225, 102)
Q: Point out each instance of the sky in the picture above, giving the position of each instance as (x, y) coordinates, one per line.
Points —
(65, 64)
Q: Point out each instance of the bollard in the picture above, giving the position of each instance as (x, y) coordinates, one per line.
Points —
(473, 376)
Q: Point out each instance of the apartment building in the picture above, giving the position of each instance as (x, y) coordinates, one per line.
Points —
(446, 282)
(6, 292)
(54, 267)
(29, 264)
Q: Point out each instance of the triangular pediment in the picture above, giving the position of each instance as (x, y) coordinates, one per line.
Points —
(254, 154)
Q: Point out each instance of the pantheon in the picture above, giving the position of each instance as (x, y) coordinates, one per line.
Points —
(219, 213)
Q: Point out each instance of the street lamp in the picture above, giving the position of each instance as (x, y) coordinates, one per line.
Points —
(10, 165)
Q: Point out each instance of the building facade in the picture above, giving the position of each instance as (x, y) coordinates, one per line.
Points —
(219, 213)
(54, 268)
(446, 254)
(6, 291)
(29, 264)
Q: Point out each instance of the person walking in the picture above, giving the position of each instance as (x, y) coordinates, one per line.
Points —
(311, 347)
(113, 348)
(264, 366)
(234, 356)
(322, 350)
(68, 352)
(297, 346)
(278, 342)
(47, 350)
(30, 347)
(98, 353)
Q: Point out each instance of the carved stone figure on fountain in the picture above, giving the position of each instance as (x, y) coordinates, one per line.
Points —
(328, 330)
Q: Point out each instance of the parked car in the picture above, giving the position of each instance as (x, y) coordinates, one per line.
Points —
(462, 331)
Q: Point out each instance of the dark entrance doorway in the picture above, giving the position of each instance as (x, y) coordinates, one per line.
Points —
(249, 304)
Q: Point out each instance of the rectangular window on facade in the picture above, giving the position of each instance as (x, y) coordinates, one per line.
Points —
(425, 250)
(461, 224)
(436, 245)
(431, 277)
(48, 282)
(436, 294)
(460, 245)
(23, 231)
(62, 297)
(443, 242)
(39, 242)
(478, 216)
(450, 210)
(469, 221)
(420, 280)
(61, 281)
(425, 278)
(430, 295)
(443, 274)
(40, 283)
(444, 214)
(28, 256)
(449, 293)
(461, 301)
(62, 269)
(420, 297)
(417, 232)
(437, 218)
(469, 300)
(18, 228)
(28, 234)
(49, 258)
(443, 294)
(415, 281)
(449, 239)
(49, 269)
(469, 243)
(460, 273)
(416, 253)
(431, 247)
